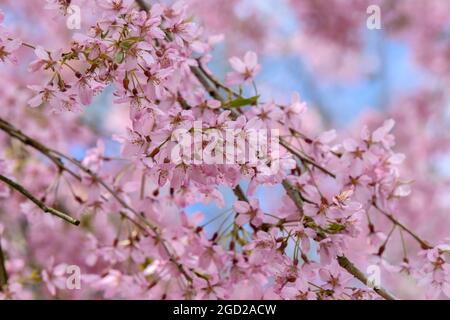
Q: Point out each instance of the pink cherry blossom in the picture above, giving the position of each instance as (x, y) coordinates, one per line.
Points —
(245, 70)
(248, 212)
(8, 48)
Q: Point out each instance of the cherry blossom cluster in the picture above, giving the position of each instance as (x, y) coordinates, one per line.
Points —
(338, 194)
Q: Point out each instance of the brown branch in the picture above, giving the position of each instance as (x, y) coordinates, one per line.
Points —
(216, 82)
(350, 267)
(38, 202)
(49, 153)
(239, 193)
(56, 157)
(204, 82)
(142, 5)
(3, 273)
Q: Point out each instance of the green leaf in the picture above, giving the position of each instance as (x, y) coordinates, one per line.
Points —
(134, 39)
(241, 102)
(335, 228)
(129, 42)
(120, 56)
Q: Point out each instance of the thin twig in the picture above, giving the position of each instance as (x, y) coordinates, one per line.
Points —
(294, 195)
(16, 133)
(38, 202)
(306, 159)
(424, 244)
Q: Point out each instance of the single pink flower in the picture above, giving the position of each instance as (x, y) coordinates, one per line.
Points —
(248, 212)
(245, 70)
